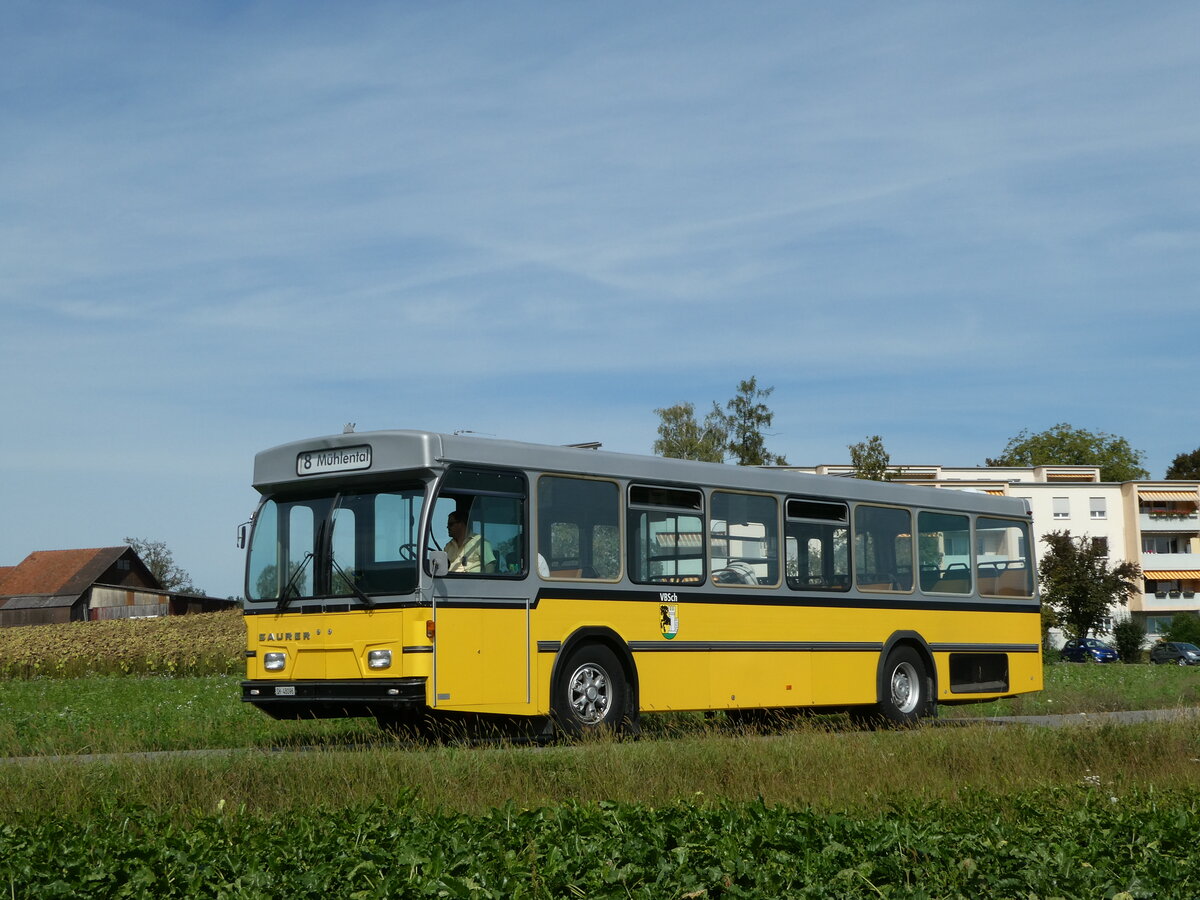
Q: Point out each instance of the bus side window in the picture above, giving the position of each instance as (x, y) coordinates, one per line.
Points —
(744, 540)
(883, 548)
(818, 545)
(579, 528)
(665, 535)
(1002, 558)
(945, 552)
(479, 519)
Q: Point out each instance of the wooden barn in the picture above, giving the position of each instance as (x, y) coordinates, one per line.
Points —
(80, 585)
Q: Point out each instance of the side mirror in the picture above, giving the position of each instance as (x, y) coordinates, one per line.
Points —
(439, 563)
(241, 536)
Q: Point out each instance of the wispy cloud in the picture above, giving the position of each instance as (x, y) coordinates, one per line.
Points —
(231, 225)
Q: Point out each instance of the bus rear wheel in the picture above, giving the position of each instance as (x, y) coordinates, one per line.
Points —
(591, 695)
(906, 693)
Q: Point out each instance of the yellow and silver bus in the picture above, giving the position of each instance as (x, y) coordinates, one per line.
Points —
(408, 575)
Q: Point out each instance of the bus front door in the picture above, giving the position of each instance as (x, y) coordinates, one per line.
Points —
(481, 657)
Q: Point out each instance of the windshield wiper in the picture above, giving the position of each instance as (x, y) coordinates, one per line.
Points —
(352, 584)
(290, 587)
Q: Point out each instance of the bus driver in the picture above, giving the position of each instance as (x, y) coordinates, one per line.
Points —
(468, 552)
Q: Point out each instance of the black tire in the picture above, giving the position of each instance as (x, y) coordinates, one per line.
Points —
(591, 694)
(905, 694)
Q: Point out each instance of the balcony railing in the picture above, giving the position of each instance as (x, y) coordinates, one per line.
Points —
(1169, 561)
(1169, 522)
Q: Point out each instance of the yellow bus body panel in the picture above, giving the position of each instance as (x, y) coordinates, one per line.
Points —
(335, 646)
(488, 660)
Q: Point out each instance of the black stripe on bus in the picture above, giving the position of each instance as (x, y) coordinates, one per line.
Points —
(669, 646)
(754, 647)
(984, 648)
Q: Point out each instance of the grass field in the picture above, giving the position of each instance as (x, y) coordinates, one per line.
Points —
(696, 808)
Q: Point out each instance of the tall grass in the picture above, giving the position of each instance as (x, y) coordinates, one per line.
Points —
(809, 766)
(1084, 687)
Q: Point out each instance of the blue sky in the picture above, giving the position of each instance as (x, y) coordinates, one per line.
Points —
(225, 226)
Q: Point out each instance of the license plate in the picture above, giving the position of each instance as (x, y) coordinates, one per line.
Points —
(285, 691)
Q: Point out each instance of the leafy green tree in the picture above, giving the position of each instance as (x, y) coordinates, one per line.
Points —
(1185, 467)
(870, 459)
(1128, 635)
(1185, 628)
(1079, 583)
(1063, 445)
(680, 436)
(735, 431)
(162, 565)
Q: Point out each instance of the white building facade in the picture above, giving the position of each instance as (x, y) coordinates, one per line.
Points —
(1155, 524)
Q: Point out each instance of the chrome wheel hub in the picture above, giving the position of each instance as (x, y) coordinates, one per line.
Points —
(590, 694)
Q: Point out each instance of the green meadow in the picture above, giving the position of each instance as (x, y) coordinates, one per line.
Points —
(146, 782)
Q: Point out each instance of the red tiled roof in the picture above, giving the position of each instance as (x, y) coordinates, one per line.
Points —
(58, 571)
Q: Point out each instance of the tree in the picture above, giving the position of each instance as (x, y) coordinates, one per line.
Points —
(736, 430)
(870, 459)
(1063, 445)
(681, 437)
(161, 563)
(1079, 584)
(744, 418)
(1185, 467)
(1128, 635)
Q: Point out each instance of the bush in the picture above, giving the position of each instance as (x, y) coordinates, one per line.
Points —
(1128, 635)
(1185, 628)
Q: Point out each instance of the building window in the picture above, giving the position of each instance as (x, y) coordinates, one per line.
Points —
(1156, 625)
(1098, 508)
(1159, 545)
(1062, 508)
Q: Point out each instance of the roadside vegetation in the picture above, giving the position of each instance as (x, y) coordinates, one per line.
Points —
(697, 808)
(212, 643)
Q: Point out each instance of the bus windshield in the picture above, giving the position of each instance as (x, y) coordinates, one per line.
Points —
(345, 545)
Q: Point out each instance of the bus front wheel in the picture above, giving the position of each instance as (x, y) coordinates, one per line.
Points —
(591, 694)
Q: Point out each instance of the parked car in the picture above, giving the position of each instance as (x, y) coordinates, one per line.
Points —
(1175, 652)
(1089, 650)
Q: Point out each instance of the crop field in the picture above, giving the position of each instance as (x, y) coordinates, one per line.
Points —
(127, 778)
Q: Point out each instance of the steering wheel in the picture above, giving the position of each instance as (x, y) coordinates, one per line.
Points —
(408, 552)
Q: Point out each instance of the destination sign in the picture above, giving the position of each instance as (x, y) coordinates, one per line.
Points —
(343, 459)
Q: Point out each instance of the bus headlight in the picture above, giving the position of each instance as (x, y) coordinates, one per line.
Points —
(379, 659)
(274, 662)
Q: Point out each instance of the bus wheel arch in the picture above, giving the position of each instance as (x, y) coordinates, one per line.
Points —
(906, 681)
(597, 660)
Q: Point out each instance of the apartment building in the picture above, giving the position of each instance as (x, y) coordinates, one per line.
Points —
(1153, 523)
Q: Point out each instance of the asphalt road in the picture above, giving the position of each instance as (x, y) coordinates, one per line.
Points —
(1052, 721)
(1059, 721)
